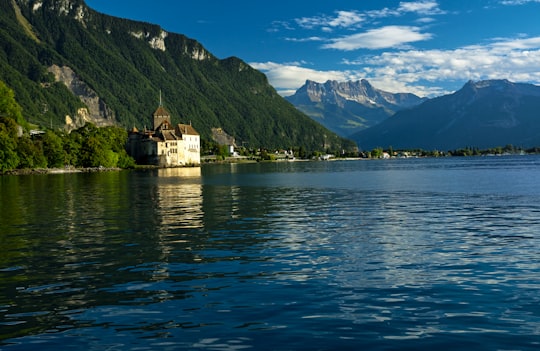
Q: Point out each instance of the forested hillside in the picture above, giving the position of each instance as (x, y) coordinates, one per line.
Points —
(88, 146)
(120, 66)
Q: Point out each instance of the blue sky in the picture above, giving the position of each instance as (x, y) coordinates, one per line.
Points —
(427, 47)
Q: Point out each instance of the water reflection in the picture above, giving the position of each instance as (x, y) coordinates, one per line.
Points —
(178, 198)
(176, 204)
(232, 257)
(57, 241)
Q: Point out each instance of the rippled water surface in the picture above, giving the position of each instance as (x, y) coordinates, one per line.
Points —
(398, 254)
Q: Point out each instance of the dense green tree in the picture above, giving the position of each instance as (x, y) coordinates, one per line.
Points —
(97, 147)
(376, 153)
(9, 158)
(72, 148)
(30, 153)
(8, 105)
(86, 147)
(93, 154)
(9, 127)
(8, 152)
(53, 149)
(222, 151)
(125, 161)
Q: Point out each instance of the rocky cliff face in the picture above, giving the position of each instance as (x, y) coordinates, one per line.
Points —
(96, 112)
(362, 92)
(348, 107)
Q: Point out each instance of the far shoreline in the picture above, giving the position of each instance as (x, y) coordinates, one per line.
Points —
(231, 160)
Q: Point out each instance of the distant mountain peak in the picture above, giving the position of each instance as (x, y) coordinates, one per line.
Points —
(483, 114)
(361, 91)
(479, 89)
(489, 83)
(347, 107)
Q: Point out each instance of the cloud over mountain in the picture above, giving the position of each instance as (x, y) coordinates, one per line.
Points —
(379, 38)
(516, 59)
(427, 47)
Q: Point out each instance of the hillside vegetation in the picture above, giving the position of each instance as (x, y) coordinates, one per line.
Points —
(122, 65)
(87, 147)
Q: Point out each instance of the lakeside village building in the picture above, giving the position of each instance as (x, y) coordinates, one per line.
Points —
(166, 145)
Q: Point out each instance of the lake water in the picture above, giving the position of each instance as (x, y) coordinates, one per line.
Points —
(407, 254)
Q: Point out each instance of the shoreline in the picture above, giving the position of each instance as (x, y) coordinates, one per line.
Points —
(70, 170)
(73, 170)
(37, 171)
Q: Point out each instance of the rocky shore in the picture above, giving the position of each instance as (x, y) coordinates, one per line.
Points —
(59, 170)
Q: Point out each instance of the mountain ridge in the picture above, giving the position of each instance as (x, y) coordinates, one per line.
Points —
(348, 107)
(483, 114)
(126, 63)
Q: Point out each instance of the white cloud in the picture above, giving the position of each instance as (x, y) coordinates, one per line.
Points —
(425, 20)
(346, 19)
(392, 36)
(517, 44)
(516, 60)
(384, 37)
(287, 78)
(424, 8)
(517, 2)
(423, 72)
(303, 40)
(420, 7)
(343, 19)
(355, 19)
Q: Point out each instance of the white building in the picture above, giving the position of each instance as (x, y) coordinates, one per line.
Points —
(165, 145)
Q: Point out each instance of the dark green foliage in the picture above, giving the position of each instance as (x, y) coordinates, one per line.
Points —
(53, 149)
(99, 147)
(376, 153)
(10, 111)
(18, 149)
(72, 149)
(8, 151)
(8, 105)
(120, 65)
(86, 147)
(30, 153)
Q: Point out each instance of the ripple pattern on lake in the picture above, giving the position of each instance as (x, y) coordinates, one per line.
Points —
(411, 254)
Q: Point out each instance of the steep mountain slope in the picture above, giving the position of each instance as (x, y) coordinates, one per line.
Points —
(348, 107)
(482, 114)
(64, 59)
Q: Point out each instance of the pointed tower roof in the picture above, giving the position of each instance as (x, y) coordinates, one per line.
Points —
(161, 111)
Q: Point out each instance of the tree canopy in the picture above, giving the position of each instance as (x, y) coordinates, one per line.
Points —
(85, 147)
(8, 105)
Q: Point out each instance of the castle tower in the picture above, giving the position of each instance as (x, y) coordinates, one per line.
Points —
(161, 114)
